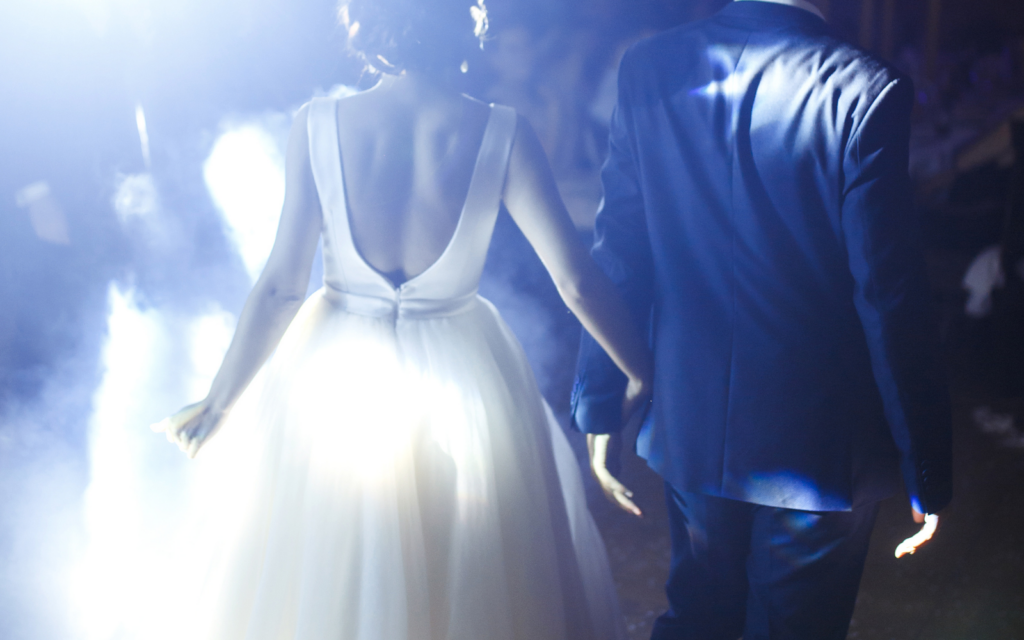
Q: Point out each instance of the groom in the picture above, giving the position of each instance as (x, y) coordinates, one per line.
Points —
(758, 218)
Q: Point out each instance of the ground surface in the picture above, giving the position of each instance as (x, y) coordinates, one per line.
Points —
(967, 584)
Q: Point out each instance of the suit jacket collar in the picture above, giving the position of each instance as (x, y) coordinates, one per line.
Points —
(771, 15)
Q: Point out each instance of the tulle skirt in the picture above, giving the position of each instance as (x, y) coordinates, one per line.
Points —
(394, 480)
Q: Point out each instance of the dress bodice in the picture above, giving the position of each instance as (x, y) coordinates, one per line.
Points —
(447, 286)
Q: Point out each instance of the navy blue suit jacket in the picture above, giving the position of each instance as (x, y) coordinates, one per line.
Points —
(758, 217)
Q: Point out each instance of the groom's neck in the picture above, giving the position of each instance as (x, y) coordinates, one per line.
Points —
(814, 6)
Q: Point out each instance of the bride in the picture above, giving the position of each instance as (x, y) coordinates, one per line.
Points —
(404, 479)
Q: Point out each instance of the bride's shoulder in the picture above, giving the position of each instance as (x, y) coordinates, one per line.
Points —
(305, 116)
(512, 120)
(480, 104)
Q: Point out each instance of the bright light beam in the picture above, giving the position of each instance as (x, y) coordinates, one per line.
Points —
(245, 177)
(139, 485)
(140, 123)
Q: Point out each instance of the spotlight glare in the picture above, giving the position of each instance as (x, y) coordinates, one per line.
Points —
(244, 174)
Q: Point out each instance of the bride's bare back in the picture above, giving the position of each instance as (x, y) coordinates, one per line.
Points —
(408, 153)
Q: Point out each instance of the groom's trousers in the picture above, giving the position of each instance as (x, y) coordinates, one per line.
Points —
(741, 569)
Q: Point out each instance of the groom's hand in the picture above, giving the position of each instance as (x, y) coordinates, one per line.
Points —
(930, 524)
(615, 491)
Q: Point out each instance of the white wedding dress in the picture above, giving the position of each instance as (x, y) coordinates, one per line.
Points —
(394, 473)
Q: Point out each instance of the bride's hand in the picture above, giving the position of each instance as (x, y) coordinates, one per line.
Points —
(191, 427)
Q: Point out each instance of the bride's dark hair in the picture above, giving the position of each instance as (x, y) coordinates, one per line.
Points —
(430, 36)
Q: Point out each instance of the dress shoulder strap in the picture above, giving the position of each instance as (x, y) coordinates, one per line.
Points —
(492, 163)
(325, 161)
(322, 129)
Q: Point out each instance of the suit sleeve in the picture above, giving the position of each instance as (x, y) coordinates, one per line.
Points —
(891, 293)
(622, 250)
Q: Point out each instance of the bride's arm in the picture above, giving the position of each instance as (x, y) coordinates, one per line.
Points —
(532, 199)
(271, 305)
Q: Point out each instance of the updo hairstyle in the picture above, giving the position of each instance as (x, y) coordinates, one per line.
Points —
(431, 36)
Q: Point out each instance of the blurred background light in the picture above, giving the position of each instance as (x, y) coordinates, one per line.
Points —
(44, 213)
(134, 195)
(245, 176)
(140, 123)
(139, 485)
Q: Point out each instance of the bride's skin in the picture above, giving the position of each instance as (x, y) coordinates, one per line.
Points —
(408, 148)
